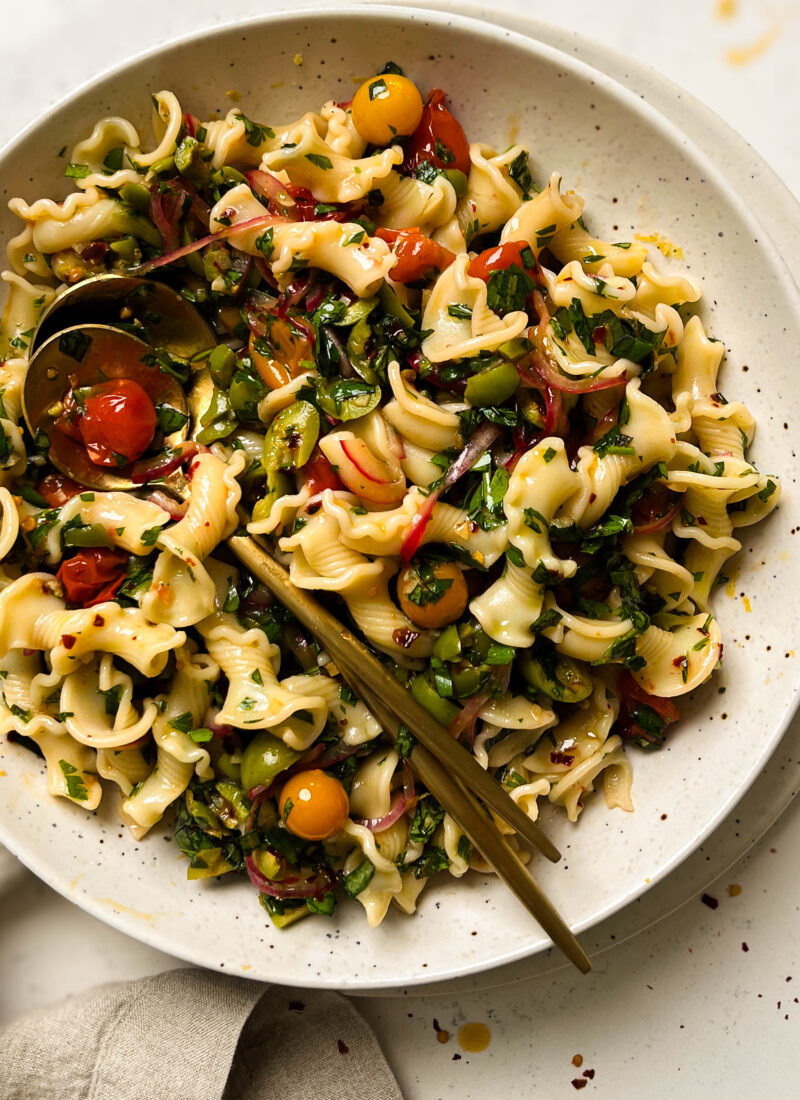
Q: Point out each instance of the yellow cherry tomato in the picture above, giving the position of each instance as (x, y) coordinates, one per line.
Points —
(432, 595)
(386, 107)
(314, 805)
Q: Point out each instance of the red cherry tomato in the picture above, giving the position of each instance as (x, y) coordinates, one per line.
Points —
(498, 259)
(93, 575)
(319, 475)
(417, 255)
(118, 422)
(631, 698)
(438, 139)
(57, 489)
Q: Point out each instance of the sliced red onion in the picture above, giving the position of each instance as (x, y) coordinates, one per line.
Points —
(549, 373)
(200, 208)
(293, 886)
(270, 187)
(165, 211)
(163, 465)
(464, 721)
(659, 523)
(379, 824)
(176, 509)
(315, 297)
(264, 220)
(304, 327)
(477, 445)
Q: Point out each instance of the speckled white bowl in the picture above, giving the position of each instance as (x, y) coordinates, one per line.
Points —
(638, 173)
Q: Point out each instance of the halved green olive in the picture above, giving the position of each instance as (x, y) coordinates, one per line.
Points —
(264, 758)
(492, 386)
(559, 678)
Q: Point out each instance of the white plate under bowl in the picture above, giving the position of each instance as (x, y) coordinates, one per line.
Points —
(638, 173)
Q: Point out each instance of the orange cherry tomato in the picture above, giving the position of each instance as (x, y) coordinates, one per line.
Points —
(499, 258)
(93, 575)
(57, 489)
(313, 805)
(386, 107)
(279, 356)
(439, 139)
(319, 475)
(117, 423)
(417, 255)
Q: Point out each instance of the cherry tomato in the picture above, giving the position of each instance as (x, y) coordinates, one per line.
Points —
(432, 596)
(417, 255)
(386, 107)
(313, 804)
(438, 139)
(280, 356)
(118, 422)
(57, 489)
(319, 475)
(93, 575)
(638, 724)
(499, 258)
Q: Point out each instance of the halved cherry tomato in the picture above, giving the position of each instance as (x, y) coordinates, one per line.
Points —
(439, 139)
(645, 729)
(314, 804)
(93, 575)
(280, 355)
(319, 475)
(499, 258)
(417, 255)
(57, 489)
(118, 422)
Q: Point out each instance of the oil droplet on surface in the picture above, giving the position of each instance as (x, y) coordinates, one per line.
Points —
(743, 55)
(442, 1036)
(474, 1038)
(725, 9)
(577, 1060)
(734, 890)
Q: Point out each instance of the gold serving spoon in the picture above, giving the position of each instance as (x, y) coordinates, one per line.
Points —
(83, 353)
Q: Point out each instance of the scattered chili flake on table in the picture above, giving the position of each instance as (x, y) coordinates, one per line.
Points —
(710, 901)
(296, 1006)
(343, 1047)
(589, 1073)
(579, 1082)
(745, 948)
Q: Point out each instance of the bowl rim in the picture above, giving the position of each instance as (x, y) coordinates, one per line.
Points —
(469, 22)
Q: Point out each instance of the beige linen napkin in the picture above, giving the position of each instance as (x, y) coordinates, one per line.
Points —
(195, 1035)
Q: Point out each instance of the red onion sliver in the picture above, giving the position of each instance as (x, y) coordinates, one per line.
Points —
(264, 220)
(176, 509)
(477, 445)
(293, 886)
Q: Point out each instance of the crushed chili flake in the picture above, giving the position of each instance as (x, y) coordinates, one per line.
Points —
(296, 1006)
(579, 1082)
(404, 637)
(589, 1073)
(710, 901)
(456, 1057)
(343, 1047)
(561, 758)
(68, 640)
(98, 620)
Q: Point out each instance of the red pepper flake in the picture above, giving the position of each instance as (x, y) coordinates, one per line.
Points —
(456, 1057)
(68, 640)
(589, 1073)
(579, 1083)
(296, 1006)
(98, 620)
(404, 637)
(343, 1047)
(599, 334)
(710, 901)
(577, 1060)
(561, 758)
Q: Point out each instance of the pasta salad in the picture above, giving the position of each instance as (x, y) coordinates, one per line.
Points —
(491, 440)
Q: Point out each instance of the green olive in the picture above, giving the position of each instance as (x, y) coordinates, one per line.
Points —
(427, 696)
(291, 437)
(221, 365)
(264, 758)
(136, 195)
(492, 386)
(559, 678)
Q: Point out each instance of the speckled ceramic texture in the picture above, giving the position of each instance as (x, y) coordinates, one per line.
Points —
(638, 173)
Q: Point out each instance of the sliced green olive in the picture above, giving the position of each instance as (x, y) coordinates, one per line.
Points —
(458, 180)
(291, 437)
(245, 393)
(218, 420)
(136, 195)
(357, 342)
(93, 535)
(427, 696)
(447, 646)
(348, 398)
(264, 758)
(392, 305)
(492, 386)
(221, 365)
(559, 678)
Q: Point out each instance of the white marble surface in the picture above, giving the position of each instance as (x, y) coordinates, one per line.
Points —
(680, 1009)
